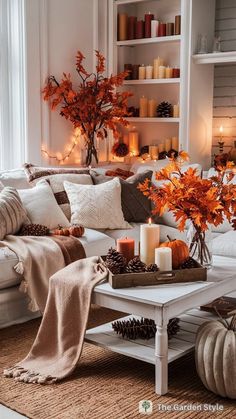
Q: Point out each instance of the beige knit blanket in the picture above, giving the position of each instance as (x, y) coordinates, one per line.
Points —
(59, 342)
(39, 258)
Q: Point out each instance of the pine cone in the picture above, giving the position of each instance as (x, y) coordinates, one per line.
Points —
(114, 267)
(136, 265)
(152, 267)
(34, 230)
(116, 257)
(164, 110)
(189, 263)
(143, 328)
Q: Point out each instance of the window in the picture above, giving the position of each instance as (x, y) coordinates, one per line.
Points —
(12, 84)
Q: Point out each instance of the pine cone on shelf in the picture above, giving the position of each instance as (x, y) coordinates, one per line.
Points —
(115, 258)
(189, 263)
(152, 267)
(34, 230)
(164, 110)
(143, 328)
(136, 265)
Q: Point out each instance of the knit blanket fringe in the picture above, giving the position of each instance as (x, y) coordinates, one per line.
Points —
(28, 376)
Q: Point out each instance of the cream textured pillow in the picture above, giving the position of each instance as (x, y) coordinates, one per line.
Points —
(42, 207)
(12, 213)
(96, 206)
(56, 183)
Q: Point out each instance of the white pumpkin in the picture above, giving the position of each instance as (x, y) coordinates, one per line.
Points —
(215, 355)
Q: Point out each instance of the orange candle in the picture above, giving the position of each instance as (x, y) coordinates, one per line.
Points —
(126, 247)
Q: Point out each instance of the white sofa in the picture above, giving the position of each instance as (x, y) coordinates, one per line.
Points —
(13, 303)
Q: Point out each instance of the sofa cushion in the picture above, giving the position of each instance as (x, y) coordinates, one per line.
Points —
(35, 172)
(225, 244)
(96, 206)
(15, 178)
(12, 212)
(8, 276)
(42, 207)
(135, 206)
(57, 184)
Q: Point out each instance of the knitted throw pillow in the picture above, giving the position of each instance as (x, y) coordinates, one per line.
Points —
(12, 212)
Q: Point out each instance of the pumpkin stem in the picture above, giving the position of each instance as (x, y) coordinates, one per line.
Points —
(232, 325)
(224, 321)
(168, 237)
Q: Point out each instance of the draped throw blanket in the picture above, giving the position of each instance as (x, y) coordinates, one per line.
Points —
(58, 344)
(39, 258)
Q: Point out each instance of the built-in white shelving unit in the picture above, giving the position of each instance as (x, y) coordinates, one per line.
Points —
(152, 81)
(145, 41)
(151, 120)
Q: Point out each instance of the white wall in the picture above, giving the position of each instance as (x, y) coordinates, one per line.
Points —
(224, 108)
(56, 29)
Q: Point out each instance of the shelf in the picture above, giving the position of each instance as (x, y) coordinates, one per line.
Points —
(215, 58)
(163, 120)
(143, 41)
(119, 2)
(153, 81)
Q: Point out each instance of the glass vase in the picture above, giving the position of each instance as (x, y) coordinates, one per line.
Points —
(200, 245)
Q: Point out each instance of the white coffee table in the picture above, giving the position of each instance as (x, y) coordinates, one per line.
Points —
(162, 303)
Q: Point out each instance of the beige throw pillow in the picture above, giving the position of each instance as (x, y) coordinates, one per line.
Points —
(42, 207)
(12, 212)
(96, 206)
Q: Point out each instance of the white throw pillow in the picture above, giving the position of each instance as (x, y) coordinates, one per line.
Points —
(225, 244)
(96, 206)
(42, 207)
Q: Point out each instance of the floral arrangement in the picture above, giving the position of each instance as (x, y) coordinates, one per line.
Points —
(95, 106)
(202, 201)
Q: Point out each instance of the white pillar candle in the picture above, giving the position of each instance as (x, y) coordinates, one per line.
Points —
(162, 72)
(142, 72)
(149, 72)
(134, 143)
(152, 108)
(154, 28)
(161, 147)
(149, 240)
(163, 258)
(167, 144)
(153, 151)
(176, 111)
(175, 143)
(156, 64)
(143, 107)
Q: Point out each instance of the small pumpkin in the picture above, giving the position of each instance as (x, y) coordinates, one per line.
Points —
(180, 251)
(215, 356)
(61, 231)
(76, 230)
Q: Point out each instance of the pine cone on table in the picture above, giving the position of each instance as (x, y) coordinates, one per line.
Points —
(136, 265)
(114, 267)
(189, 263)
(115, 258)
(164, 110)
(152, 267)
(34, 230)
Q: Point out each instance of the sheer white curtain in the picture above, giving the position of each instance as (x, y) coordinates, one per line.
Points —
(12, 84)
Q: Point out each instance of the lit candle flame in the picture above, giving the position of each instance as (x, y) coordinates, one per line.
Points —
(221, 129)
(149, 221)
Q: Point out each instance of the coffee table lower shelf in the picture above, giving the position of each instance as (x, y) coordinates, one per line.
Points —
(178, 346)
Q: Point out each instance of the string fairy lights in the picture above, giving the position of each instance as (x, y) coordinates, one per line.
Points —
(61, 160)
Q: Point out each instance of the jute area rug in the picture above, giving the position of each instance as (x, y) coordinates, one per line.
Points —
(105, 385)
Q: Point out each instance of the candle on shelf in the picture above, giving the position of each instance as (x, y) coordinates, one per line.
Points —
(149, 240)
(122, 26)
(143, 107)
(135, 71)
(156, 64)
(163, 258)
(139, 29)
(169, 29)
(176, 72)
(162, 29)
(128, 68)
(169, 72)
(131, 26)
(126, 247)
(154, 28)
(148, 18)
(162, 72)
(175, 143)
(177, 25)
(153, 151)
(142, 72)
(176, 111)
(161, 147)
(126, 139)
(167, 144)
(134, 142)
(152, 107)
(149, 72)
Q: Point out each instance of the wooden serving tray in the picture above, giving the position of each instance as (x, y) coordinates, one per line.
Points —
(128, 280)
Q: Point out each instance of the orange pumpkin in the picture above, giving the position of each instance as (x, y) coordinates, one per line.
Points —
(76, 230)
(61, 231)
(180, 251)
